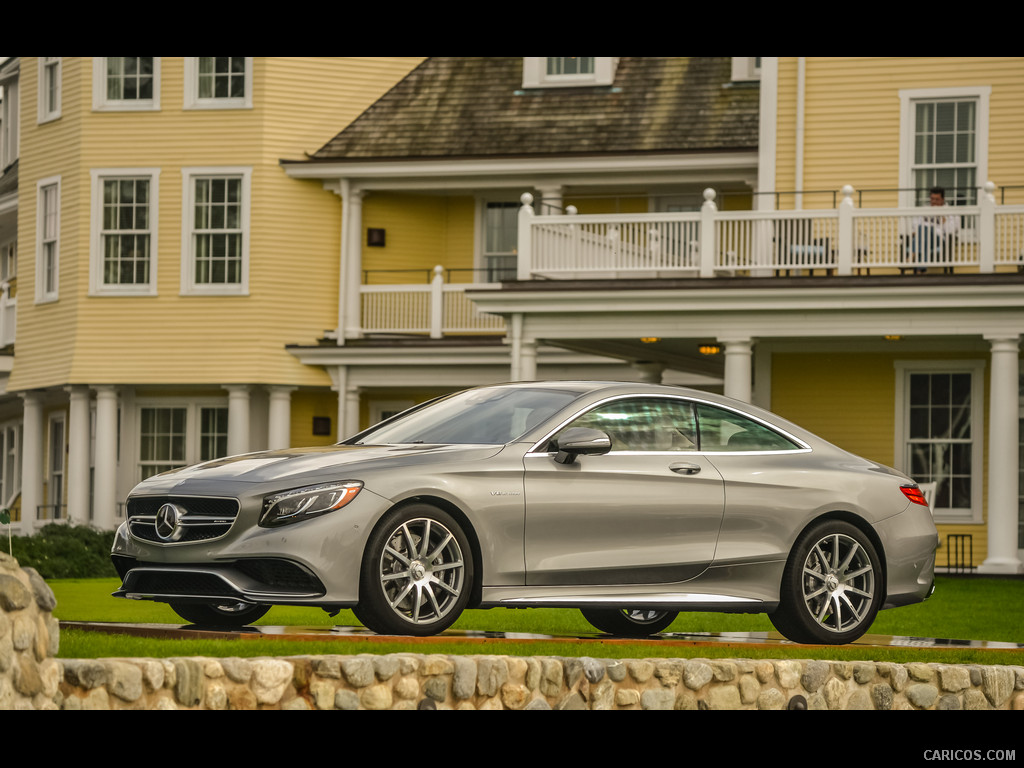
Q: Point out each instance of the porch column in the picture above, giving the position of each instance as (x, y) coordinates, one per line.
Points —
(238, 418)
(349, 295)
(650, 373)
(528, 360)
(351, 411)
(550, 200)
(1003, 442)
(31, 460)
(739, 355)
(279, 417)
(78, 456)
(104, 506)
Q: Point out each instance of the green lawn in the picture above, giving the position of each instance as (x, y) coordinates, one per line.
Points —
(961, 609)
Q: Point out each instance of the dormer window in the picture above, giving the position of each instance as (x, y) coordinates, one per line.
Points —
(568, 71)
(746, 68)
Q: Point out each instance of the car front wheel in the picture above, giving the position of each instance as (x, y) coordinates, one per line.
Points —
(220, 615)
(832, 586)
(417, 573)
(629, 622)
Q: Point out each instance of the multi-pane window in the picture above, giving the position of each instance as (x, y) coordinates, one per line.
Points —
(217, 231)
(945, 149)
(501, 235)
(940, 439)
(570, 65)
(221, 77)
(173, 436)
(49, 233)
(162, 440)
(125, 231)
(54, 508)
(129, 78)
(49, 88)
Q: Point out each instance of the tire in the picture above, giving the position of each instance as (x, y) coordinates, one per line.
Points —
(832, 587)
(629, 622)
(222, 615)
(417, 573)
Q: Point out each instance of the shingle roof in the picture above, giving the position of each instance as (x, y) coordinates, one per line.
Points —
(477, 107)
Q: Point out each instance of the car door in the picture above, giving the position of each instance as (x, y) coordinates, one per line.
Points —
(648, 511)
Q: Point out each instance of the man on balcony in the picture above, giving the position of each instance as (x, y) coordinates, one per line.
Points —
(933, 237)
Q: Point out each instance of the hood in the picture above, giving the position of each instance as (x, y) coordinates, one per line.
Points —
(296, 464)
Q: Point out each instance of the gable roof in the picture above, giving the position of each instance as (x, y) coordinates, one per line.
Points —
(477, 107)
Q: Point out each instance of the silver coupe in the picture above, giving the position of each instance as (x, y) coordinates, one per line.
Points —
(629, 502)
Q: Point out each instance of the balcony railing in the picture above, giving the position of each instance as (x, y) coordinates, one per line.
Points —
(436, 308)
(709, 243)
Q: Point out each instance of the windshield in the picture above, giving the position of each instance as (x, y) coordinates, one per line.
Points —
(495, 415)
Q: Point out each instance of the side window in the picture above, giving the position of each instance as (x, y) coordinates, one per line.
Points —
(648, 424)
(722, 430)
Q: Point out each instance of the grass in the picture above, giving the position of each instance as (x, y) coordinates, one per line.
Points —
(962, 609)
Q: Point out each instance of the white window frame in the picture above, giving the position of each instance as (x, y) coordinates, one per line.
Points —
(480, 254)
(56, 454)
(193, 424)
(189, 285)
(102, 103)
(909, 99)
(745, 68)
(194, 101)
(904, 368)
(96, 251)
(46, 293)
(48, 65)
(535, 73)
(11, 435)
(9, 109)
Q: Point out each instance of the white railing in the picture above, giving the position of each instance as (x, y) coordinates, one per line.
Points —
(436, 309)
(708, 243)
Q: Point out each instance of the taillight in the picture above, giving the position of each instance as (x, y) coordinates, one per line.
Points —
(914, 493)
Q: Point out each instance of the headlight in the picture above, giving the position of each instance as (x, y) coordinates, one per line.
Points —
(304, 503)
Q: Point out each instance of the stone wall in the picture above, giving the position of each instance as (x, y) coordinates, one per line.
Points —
(31, 678)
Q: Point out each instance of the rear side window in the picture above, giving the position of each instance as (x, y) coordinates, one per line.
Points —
(727, 431)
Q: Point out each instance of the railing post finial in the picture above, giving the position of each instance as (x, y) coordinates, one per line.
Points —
(847, 191)
(526, 199)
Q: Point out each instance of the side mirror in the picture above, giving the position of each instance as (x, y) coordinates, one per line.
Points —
(580, 441)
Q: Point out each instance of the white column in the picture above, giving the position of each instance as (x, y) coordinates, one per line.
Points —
(351, 412)
(238, 418)
(279, 417)
(78, 456)
(105, 471)
(528, 360)
(550, 200)
(31, 460)
(738, 366)
(352, 278)
(650, 373)
(1003, 442)
(340, 384)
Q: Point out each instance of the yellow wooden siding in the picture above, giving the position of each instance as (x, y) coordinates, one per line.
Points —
(422, 231)
(294, 239)
(307, 404)
(848, 399)
(852, 119)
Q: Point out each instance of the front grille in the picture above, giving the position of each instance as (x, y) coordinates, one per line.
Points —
(203, 518)
(280, 574)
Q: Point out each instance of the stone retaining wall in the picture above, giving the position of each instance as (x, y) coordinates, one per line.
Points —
(31, 678)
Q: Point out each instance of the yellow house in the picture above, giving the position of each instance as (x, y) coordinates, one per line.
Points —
(622, 217)
(165, 262)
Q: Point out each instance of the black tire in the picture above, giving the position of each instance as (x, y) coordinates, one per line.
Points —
(832, 588)
(629, 622)
(220, 615)
(417, 573)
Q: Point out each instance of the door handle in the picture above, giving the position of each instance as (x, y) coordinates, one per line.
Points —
(685, 468)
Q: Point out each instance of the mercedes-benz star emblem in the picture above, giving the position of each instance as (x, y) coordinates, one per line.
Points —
(168, 522)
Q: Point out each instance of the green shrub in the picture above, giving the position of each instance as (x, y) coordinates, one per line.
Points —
(65, 552)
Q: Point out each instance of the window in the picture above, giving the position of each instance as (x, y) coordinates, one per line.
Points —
(500, 238)
(10, 463)
(124, 219)
(644, 424)
(48, 239)
(724, 431)
(567, 71)
(9, 97)
(216, 239)
(746, 68)
(49, 88)
(939, 438)
(126, 83)
(174, 436)
(218, 82)
(54, 508)
(944, 143)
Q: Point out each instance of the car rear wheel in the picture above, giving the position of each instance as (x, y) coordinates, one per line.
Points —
(630, 622)
(220, 615)
(417, 573)
(832, 586)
